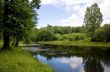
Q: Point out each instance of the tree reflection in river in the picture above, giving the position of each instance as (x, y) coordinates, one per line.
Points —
(92, 62)
(94, 59)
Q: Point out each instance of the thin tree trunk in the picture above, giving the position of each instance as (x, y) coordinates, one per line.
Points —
(17, 41)
(16, 44)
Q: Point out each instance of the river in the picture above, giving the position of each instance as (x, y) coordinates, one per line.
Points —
(73, 58)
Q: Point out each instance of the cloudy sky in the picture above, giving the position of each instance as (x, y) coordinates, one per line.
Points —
(69, 12)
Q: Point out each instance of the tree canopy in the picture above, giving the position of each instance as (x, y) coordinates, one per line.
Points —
(16, 18)
(93, 18)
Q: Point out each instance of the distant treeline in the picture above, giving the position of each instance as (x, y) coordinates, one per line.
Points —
(50, 33)
(63, 29)
(61, 33)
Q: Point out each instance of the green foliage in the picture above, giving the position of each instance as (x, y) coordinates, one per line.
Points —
(93, 18)
(17, 19)
(99, 35)
(102, 34)
(20, 17)
(30, 36)
(45, 35)
(71, 37)
(20, 61)
(106, 28)
(63, 29)
(58, 36)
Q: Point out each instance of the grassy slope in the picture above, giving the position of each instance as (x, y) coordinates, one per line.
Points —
(78, 43)
(17, 60)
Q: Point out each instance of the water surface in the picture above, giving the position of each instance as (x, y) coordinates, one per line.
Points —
(75, 59)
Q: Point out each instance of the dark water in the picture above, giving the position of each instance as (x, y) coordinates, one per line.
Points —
(75, 59)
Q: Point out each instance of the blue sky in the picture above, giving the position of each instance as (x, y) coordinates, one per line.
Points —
(51, 15)
(69, 12)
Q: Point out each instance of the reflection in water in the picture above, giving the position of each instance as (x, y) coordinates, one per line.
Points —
(74, 59)
(64, 64)
(93, 65)
(106, 68)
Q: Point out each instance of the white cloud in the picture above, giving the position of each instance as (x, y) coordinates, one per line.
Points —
(48, 2)
(74, 62)
(78, 7)
(73, 20)
(105, 6)
(106, 21)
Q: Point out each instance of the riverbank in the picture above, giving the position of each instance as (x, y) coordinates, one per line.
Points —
(17, 60)
(77, 43)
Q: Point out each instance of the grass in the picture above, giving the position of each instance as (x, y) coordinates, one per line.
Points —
(17, 60)
(76, 43)
(1, 43)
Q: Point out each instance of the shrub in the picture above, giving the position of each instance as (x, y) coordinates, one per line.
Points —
(99, 36)
(58, 37)
(102, 34)
(71, 37)
(45, 35)
(106, 28)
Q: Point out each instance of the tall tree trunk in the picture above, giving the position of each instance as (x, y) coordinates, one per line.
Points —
(6, 35)
(6, 38)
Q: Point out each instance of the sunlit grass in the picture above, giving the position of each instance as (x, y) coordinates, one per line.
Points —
(81, 43)
(17, 60)
(20, 61)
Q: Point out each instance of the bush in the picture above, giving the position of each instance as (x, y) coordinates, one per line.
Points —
(58, 37)
(106, 28)
(71, 37)
(99, 36)
(45, 35)
(102, 34)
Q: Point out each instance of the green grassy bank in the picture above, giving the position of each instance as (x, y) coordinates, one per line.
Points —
(76, 43)
(17, 60)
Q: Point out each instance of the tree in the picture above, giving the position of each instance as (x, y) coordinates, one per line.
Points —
(16, 16)
(93, 18)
